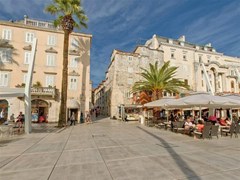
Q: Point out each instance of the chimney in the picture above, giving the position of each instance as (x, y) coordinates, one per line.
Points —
(155, 43)
(209, 45)
(25, 19)
(182, 38)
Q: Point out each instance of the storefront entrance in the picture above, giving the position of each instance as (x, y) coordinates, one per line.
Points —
(40, 109)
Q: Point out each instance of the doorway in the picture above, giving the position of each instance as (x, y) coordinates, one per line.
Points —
(40, 109)
(70, 112)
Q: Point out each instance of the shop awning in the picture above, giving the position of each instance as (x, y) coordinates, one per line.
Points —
(11, 92)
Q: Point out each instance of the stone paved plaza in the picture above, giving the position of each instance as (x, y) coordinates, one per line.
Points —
(110, 149)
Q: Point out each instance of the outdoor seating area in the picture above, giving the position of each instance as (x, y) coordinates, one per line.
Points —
(209, 130)
(213, 117)
(232, 129)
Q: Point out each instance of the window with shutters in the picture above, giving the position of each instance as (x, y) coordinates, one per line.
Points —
(130, 81)
(3, 79)
(50, 80)
(7, 34)
(24, 78)
(72, 83)
(51, 59)
(130, 69)
(5, 55)
(27, 57)
(29, 37)
(73, 62)
(51, 40)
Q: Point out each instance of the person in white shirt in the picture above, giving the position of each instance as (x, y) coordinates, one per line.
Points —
(2, 114)
(188, 126)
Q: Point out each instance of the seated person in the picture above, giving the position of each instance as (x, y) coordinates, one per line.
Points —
(199, 126)
(20, 117)
(20, 120)
(228, 121)
(188, 124)
(223, 122)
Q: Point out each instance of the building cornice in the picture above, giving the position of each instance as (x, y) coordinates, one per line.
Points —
(21, 25)
(53, 73)
(192, 49)
(51, 50)
(5, 69)
(74, 52)
(27, 48)
(25, 71)
(73, 73)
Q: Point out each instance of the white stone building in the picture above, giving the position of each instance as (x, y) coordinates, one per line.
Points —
(124, 67)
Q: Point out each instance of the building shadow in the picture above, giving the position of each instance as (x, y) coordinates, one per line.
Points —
(183, 166)
(83, 50)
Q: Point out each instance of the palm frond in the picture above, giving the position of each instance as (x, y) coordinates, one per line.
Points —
(71, 8)
(157, 80)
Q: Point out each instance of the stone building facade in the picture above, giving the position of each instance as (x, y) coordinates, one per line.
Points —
(122, 73)
(16, 44)
(192, 59)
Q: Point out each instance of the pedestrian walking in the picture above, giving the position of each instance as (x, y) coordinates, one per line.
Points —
(88, 118)
(72, 119)
(81, 118)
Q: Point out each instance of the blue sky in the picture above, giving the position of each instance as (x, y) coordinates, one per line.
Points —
(122, 24)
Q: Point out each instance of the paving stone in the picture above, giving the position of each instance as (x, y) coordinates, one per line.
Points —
(81, 171)
(39, 174)
(110, 149)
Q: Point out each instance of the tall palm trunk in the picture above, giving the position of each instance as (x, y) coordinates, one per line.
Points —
(63, 106)
(157, 94)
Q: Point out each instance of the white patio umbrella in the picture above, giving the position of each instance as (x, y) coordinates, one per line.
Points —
(232, 96)
(159, 103)
(204, 100)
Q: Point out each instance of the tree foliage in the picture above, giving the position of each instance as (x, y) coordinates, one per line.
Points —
(156, 80)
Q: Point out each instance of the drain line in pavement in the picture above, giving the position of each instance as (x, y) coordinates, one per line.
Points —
(24, 151)
(100, 135)
(60, 155)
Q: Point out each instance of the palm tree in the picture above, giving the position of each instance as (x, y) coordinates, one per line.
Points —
(70, 14)
(156, 80)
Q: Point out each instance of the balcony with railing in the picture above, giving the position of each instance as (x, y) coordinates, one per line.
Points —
(43, 91)
(39, 23)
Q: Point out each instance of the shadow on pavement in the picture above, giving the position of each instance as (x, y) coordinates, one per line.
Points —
(183, 166)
